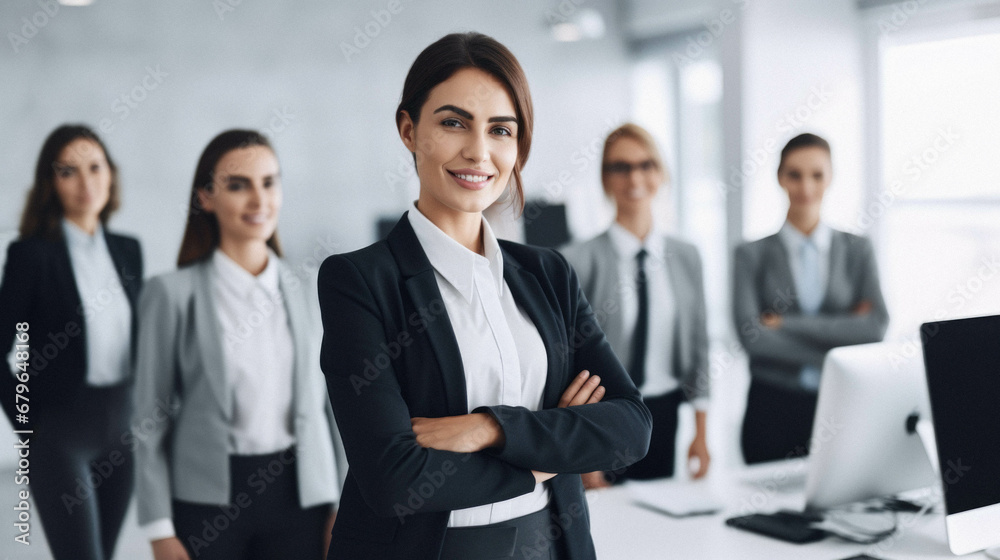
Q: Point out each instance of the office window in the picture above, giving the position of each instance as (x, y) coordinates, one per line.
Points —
(679, 100)
(938, 211)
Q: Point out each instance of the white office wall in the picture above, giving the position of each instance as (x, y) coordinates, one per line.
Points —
(279, 67)
(802, 72)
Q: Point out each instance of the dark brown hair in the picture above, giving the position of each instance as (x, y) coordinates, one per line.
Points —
(456, 51)
(201, 234)
(43, 210)
(805, 140)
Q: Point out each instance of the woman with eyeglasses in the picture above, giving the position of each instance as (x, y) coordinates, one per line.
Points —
(646, 290)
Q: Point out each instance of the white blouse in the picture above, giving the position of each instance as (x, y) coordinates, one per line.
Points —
(107, 314)
(503, 356)
(258, 353)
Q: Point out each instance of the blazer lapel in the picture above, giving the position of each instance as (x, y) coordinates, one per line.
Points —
(298, 324)
(528, 294)
(126, 275)
(209, 343)
(422, 287)
(64, 271)
(684, 299)
(780, 264)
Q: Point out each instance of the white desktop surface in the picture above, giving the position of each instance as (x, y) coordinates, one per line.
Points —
(623, 530)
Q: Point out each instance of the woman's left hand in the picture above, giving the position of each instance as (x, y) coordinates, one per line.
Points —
(699, 449)
(467, 433)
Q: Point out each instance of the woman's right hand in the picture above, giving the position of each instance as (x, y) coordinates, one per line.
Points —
(169, 548)
(585, 389)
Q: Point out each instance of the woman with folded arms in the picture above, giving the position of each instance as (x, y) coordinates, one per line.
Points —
(797, 294)
(647, 288)
(69, 293)
(235, 434)
(469, 378)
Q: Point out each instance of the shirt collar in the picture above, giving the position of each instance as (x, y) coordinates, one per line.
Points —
(451, 259)
(238, 279)
(79, 239)
(793, 238)
(627, 245)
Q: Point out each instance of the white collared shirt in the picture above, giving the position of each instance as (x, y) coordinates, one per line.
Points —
(107, 314)
(503, 356)
(258, 354)
(662, 307)
(793, 239)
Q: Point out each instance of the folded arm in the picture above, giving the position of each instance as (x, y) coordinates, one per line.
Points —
(601, 436)
(374, 419)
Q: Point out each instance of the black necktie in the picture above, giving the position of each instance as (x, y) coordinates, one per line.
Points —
(641, 333)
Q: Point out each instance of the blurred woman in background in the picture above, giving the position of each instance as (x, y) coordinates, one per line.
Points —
(69, 293)
(237, 457)
(646, 288)
(797, 294)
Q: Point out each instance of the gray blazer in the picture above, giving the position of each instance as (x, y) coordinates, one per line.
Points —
(763, 282)
(183, 406)
(596, 264)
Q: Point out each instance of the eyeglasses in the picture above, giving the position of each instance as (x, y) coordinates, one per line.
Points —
(625, 168)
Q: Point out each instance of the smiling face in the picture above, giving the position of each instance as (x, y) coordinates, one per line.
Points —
(631, 175)
(465, 143)
(245, 195)
(82, 180)
(805, 175)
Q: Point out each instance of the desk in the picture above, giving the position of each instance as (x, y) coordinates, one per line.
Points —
(623, 530)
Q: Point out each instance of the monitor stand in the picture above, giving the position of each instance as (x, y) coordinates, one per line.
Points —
(993, 552)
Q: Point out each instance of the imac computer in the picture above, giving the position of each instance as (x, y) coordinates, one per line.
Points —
(962, 359)
(866, 442)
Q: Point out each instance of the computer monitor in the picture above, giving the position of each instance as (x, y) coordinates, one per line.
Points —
(962, 359)
(865, 442)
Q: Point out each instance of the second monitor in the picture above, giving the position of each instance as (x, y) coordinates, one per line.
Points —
(865, 444)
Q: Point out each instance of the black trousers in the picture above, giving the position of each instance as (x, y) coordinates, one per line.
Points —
(778, 423)
(659, 461)
(82, 473)
(263, 521)
(529, 537)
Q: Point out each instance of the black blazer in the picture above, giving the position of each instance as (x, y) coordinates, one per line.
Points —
(389, 353)
(38, 287)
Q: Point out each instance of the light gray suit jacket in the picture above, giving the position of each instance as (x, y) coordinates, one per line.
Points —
(596, 264)
(763, 282)
(183, 405)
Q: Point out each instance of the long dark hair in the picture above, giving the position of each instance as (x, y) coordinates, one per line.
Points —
(201, 234)
(456, 51)
(43, 210)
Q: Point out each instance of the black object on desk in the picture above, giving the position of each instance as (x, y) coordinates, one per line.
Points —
(788, 526)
